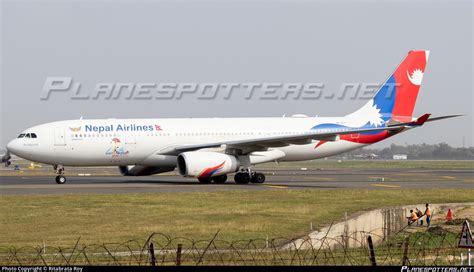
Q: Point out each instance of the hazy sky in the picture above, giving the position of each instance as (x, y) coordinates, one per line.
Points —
(330, 42)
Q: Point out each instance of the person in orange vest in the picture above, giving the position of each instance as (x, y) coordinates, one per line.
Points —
(412, 218)
(419, 213)
(428, 214)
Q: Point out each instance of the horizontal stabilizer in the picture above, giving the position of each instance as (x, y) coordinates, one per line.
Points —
(418, 122)
(443, 117)
(425, 118)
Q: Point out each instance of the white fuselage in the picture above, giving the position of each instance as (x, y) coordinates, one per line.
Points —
(118, 142)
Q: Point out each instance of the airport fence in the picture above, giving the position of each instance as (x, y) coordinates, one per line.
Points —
(431, 247)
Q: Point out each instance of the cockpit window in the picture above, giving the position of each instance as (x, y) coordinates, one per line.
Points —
(27, 135)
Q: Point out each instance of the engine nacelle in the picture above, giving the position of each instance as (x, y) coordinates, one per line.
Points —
(206, 164)
(140, 170)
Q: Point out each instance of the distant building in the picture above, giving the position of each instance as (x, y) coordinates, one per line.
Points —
(400, 157)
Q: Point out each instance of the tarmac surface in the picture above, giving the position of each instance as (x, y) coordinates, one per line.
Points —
(387, 179)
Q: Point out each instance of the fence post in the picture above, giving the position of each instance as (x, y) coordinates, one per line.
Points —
(405, 251)
(152, 255)
(208, 245)
(372, 252)
(178, 254)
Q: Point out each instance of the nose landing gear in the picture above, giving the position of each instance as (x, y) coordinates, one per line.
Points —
(6, 159)
(60, 178)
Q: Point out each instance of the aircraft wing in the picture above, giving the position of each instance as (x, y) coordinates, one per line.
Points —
(261, 143)
(277, 141)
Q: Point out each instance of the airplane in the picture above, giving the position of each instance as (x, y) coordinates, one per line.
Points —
(210, 148)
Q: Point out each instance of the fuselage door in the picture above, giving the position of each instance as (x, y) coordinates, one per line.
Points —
(59, 137)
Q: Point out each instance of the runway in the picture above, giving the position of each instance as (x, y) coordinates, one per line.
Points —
(381, 179)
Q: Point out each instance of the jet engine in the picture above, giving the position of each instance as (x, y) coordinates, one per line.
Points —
(6, 158)
(140, 170)
(206, 164)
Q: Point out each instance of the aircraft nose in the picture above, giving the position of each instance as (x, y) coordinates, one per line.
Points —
(13, 146)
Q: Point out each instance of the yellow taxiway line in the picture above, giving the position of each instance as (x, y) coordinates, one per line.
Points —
(448, 177)
(276, 186)
(385, 185)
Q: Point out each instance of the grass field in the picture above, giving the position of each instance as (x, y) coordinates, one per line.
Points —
(59, 220)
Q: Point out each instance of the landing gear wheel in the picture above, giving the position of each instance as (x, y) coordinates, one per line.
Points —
(258, 178)
(220, 179)
(205, 180)
(242, 178)
(60, 179)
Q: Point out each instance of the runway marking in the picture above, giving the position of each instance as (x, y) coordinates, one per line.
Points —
(76, 186)
(404, 174)
(316, 178)
(448, 177)
(413, 174)
(276, 186)
(385, 185)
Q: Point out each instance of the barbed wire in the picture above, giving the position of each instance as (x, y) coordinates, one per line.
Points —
(433, 247)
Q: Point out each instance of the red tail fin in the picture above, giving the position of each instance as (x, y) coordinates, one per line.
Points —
(408, 77)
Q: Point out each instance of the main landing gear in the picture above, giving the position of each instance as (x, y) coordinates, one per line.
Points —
(217, 179)
(60, 178)
(245, 177)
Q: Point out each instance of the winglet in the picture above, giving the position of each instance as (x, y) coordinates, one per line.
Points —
(421, 120)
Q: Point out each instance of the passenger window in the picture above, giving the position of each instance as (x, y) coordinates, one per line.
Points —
(21, 135)
(33, 135)
(27, 135)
